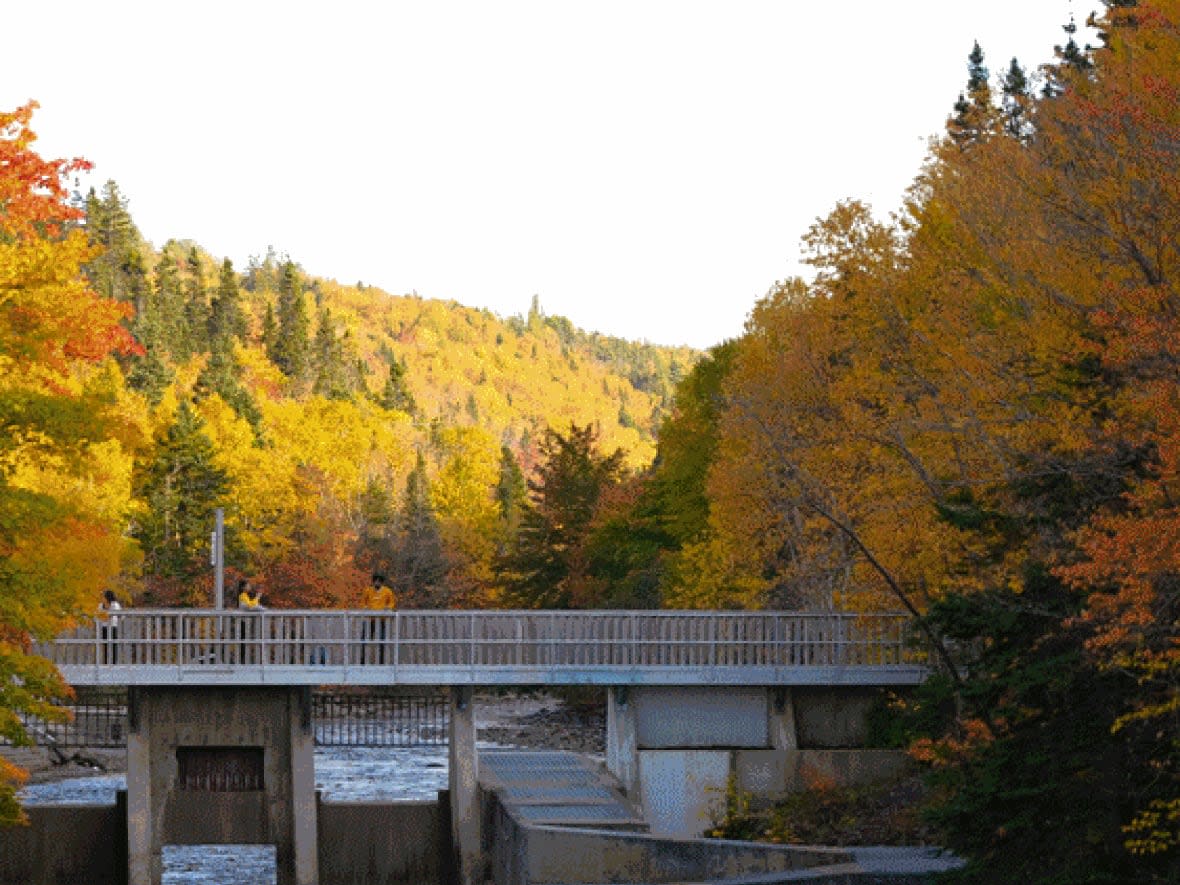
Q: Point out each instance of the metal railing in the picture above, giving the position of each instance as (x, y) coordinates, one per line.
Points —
(196, 639)
(358, 718)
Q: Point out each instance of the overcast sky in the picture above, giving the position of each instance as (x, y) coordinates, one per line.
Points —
(646, 168)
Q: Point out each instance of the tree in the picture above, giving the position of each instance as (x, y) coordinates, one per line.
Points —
(291, 350)
(1016, 101)
(226, 318)
(57, 551)
(119, 271)
(419, 564)
(179, 489)
(572, 475)
(974, 110)
(396, 395)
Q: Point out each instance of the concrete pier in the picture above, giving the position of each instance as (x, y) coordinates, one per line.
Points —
(221, 765)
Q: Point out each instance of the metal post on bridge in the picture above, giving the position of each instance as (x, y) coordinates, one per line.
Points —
(217, 558)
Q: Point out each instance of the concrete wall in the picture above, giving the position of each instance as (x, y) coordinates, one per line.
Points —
(674, 750)
(523, 854)
(369, 843)
(360, 843)
(828, 718)
(66, 845)
(775, 774)
(276, 721)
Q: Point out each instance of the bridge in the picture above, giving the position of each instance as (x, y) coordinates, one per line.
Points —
(418, 647)
(219, 697)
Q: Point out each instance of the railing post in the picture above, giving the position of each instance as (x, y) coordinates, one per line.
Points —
(397, 642)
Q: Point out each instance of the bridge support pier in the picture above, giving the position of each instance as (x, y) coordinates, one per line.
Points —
(463, 781)
(221, 765)
(673, 747)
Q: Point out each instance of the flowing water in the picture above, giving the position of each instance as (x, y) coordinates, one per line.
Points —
(342, 774)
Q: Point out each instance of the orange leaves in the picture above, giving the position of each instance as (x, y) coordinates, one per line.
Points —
(33, 197)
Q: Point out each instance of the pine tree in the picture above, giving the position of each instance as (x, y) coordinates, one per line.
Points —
(180, 489)
(196, 303)
(332, 374)
(511, 493)
(419, 560)
(226, 319)
(1016, 102)
(292, 348)
(571, 479)
(221, 376)
(119, 272)
(396, 395)
(1071, 60)
(974, 111)
(169, 304)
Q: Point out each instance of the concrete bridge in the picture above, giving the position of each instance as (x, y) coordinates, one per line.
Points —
(219, 709)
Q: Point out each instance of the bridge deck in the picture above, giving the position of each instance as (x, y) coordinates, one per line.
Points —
(209, 647)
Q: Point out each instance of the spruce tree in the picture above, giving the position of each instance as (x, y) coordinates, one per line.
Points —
(180, 489)
(332, 374)
(221, 376)
(571, 479)
(292, 349)
(1016, 102)
(226, 318)
(118, 272)
(420, 563)
(169, 304)
(974, 110)
(196, 303)
(511, 492)
(396, 395)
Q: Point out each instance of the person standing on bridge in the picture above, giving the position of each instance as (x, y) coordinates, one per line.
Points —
(379, 596)
(108, 627)
(249, 600)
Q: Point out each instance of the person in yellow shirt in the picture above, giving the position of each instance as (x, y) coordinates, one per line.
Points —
(379, 596)
(247, 630)
(245, 600)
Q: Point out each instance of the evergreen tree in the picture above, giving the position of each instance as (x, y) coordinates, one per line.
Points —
(1071, 60)
(221, 376)
(333, 375)
(511, 493)
(571, 478)
(974, 111)
(419, 560)
(169, 304)
(180, 488)
(150, 373)
(396, 395)
(196, 304)
(270, 332)
(226, 318)
(1016, 102)
(292, 348)
(118, 272)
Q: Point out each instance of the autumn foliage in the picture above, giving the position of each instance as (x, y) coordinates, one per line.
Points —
(59, 545)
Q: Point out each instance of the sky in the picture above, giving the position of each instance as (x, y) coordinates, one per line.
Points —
(646, 168)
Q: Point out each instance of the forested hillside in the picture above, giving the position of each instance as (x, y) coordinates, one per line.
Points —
(343, 429)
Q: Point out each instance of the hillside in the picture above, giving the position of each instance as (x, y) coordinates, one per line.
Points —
(342, 428)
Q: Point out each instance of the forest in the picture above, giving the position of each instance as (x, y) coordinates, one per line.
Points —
(970, 413)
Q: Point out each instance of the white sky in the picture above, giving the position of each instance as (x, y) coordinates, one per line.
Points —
(646, 168)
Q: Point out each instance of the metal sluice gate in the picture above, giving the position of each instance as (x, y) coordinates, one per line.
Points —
(358, 718)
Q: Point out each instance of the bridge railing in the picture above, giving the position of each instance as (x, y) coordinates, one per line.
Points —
(193, 638)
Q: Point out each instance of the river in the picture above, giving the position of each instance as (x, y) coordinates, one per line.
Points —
(341, 773)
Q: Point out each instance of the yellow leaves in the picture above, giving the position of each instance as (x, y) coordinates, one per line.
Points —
(1155, 829)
